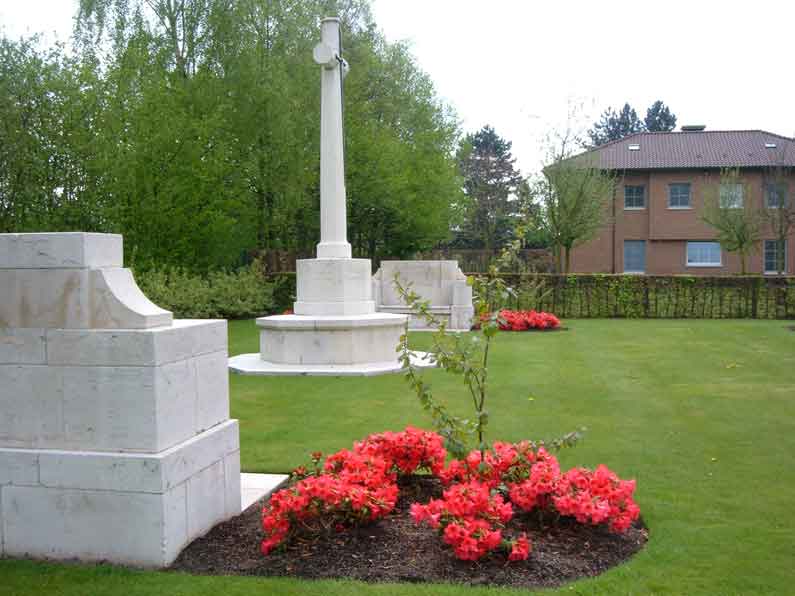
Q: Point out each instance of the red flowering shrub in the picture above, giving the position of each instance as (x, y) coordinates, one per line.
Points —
(523, 320)
(408, 451)
(597, 497)
(354, 489)
(360, 486)
(520, 549)
(470, 518)
(504, 463)
(534, 491)
(532, 479)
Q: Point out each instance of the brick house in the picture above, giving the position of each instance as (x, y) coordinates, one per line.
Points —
(655, 224)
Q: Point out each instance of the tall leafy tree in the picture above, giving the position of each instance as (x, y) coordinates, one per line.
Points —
(491, 182)
(48, 107)
(192, 127)
(659, 118)
(573, 196)
(402, 177)
(728, 209)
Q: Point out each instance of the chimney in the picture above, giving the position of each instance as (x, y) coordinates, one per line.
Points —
(694, 127)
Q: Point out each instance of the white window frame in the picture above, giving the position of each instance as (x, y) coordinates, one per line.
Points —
(703, 264)
(625, 197)
(689, 196)
(781, 195)
(764, 258)
(739, 188)
(634, 271)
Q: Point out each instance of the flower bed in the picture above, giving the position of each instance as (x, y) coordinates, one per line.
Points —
(359, 487)
(390, 509)
(527, 320)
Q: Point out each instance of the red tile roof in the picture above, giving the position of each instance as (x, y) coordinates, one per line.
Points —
(704, 149)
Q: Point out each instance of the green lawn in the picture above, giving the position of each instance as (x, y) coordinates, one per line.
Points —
(701, 413)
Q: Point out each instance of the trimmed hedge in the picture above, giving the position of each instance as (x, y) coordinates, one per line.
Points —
(659, 297)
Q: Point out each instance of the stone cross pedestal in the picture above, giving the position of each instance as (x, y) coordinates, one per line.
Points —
(335, 329)
(115, 437)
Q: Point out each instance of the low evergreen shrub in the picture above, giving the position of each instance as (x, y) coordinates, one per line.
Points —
(244, 293)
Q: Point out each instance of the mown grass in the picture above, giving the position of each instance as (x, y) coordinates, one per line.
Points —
(701, 413)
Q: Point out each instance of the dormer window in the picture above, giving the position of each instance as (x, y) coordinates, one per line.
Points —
(634, 147)
(770, 145)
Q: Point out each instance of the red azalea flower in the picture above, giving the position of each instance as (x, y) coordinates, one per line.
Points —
(520, 549)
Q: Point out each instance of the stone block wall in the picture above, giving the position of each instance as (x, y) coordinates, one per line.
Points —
(115, 438)
(440, 282)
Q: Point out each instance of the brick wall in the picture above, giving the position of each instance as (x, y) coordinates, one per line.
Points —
(667, 230)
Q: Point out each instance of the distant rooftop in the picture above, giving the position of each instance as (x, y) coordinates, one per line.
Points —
(696, 149)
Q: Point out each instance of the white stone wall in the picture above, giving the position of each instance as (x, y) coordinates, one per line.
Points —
(168, 384)
(115, 438)
(131, 508)
(440, 282)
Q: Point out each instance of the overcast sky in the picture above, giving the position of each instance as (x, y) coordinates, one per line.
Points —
(517, 64)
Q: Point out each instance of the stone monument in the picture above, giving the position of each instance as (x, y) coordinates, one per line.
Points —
(115, 437)
(335, 329)
(442, 283)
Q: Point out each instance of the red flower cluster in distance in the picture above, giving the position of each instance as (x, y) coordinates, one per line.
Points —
(360, 486)
(525, 320)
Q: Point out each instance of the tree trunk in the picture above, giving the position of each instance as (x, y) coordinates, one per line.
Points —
(371, 244)
(557, 255)
(567, 261)
(742, 264)
(781, 257)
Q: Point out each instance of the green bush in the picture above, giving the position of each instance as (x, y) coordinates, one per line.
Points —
(283, 291)
(219, 295)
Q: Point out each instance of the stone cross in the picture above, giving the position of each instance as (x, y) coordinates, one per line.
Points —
(333, 221)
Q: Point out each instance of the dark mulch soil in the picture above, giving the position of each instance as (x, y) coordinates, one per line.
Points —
(396, 550)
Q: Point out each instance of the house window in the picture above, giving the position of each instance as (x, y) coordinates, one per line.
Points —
(703, 254)
(776, 195)
(679, 196)
(775, 256)
(634, 197)
(634, 256)
(731, 195)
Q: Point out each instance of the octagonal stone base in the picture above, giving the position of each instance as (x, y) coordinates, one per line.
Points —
(253, 365)
(327, 345)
